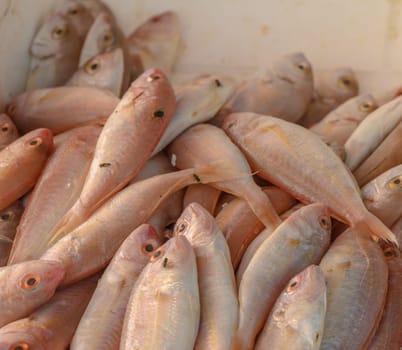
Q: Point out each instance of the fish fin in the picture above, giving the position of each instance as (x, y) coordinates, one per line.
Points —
(217, 172)
(377, 228)
(5, 239)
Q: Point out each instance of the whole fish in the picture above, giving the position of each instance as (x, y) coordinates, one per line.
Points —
(240, 226)
(55, 51)
(52, 325)
(372, 131)
(331, 88)
(383, 195)
(356, 275)
(376, 163)
(297, 320)
(55, 192)
(106, 70)
(90, 246)
(61, 108)
(216, 281)
(269, 91)
(8, 131)
(26, 286)
(204, 144)
(205, 195)
(164, 307)
(253, 246)
(155, 43)
(300, 163)
(339, 124)
(298, 242)
(9, 220)
(21, 163)
(389, 331)
(109, 301)
(138, 123)
(197, 103)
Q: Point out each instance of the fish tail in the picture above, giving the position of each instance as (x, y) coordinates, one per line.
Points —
(377, 228)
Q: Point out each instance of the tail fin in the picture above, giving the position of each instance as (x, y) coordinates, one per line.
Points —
(378, 229)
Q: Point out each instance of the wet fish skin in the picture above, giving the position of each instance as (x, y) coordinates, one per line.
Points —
(331, 88)
(298, 242)
(52, 325)
(204, 195)
(297, 320)
(9, 220)
(356, 275)
(268, 92)
(198, 146)
(26, 286)
(302, 165)
(383, 195)
(164, 308)
(8, 131)
(155, 42)
(372, 131)
(21, 163)
(61, 108)
(138, 122)
(56, 190)
(219, 304)
(106, 70)
(109, 301)
(339, 124)
(375, 164)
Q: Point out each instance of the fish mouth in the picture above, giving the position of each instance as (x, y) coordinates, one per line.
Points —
(290, 81)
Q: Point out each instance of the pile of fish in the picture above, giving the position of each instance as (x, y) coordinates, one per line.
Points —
(261, 214)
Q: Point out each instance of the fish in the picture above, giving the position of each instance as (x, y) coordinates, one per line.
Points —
(383, 195)
(95, 7)
(204, 195)
(389, 329)
(56, 190)
(216, 281)
(26, 286)
(302, 165)
(157, 165)
(296, 321)
(61, 108)
(339, 124)
(21, 163)
(163, 311)
(397, 229)
(52, 325)
(155, 42)
(108, 304)
(239, 224)
(204, 144)
(376, 163)
(298, 242)
(197, 102)
(356, 275)
(253, 246)
(61, 138)
(269, 91)
(106, 70)
(138, 122)
(89, 247)
(54, 53)
(8, 131)
(372, 131)
(331, 88)
(9, 220)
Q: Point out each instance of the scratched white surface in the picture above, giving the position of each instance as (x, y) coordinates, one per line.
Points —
(236, 36)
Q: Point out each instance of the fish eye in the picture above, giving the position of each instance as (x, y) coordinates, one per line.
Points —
(148, 248)
(389, 253)
(5, 127)
(59, 32)
(30, 282)
(303, 67)
(181, 227)
(293, 284)
(74, 11)
(159, 114)
(366, 107)
(395, 183)
(92, 66)
(157, 254)
(5, 217)
(19, 346)
(34, 142)
(156, 19)
(347, 83)
(325, 222)
(106, 39)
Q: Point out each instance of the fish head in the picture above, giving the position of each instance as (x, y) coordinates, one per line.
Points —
(77, 14)
(10, 216)
(197, 224)
(39, 141)
(54, 37)
(8, 131)
(338, 84)
(238, 124)
(293, 67)
(23, 335)
(364, 105)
